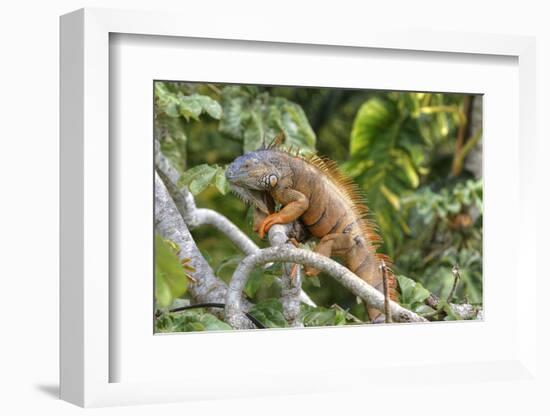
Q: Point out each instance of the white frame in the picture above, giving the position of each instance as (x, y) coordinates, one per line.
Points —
(85, 183)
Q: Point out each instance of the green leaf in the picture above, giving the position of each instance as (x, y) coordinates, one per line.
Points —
(269, 313)
(198, 178)
(320, 316)
(253, 117)
(173, 142)
(254, 133)
(232, 261)
(221, 182)
(386, 154)
(295, 124)
(199, 183)
(232, 115)
(170, 277)
(190, 174)
(189, 321)
(256, 280)
(211, 106)
(412, 293)
(315, 281)
(171, 109)
(189, 107)
(404, 160)
(192, 106)
(163, 293)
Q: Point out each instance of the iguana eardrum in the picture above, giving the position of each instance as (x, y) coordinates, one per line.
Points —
(329, 204)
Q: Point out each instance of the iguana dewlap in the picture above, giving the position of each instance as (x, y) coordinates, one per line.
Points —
(329, 204)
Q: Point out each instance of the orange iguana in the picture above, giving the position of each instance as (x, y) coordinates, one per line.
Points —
(313, 190)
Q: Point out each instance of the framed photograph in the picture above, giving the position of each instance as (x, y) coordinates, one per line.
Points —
(290, 208)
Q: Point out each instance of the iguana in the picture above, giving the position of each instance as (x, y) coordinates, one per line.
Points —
(313, 190)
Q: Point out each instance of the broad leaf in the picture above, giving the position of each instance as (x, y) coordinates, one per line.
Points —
(198, 178)
(412, 293)
(170, 276)
(211, 106)
(189, 107)
(257, 117)
(386, 159)
(221, 182)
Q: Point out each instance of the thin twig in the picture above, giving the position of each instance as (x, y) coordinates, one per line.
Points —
(385, 281)
(463, 311)
(456, 276)
(214, 88)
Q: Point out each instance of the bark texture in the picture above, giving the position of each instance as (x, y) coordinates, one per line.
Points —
(169, 223)
(291, 285)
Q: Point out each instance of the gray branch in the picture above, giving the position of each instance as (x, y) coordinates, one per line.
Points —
(195, 217)
(291, 286)
(462, 310)
(371, 296)
(203, 216)
(169, 223)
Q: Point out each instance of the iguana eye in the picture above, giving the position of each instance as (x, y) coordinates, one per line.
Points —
(272, 180)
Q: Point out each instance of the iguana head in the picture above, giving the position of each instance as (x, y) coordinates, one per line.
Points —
(252, 174)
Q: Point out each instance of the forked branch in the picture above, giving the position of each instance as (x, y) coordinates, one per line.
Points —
(233, 305)
(195, 217)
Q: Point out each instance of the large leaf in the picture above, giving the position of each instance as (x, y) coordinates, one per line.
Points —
(198, 178)
(209, 105)
(255, 117)
(170, 276)
(254, 132)
(291, 119)
(386, 158)
(413, 294)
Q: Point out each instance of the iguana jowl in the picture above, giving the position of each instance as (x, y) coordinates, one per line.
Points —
(329, 204)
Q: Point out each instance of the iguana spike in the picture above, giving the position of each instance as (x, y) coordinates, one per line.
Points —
(277, 140)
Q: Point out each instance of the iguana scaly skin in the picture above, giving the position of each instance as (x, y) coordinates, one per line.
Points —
(329, 204)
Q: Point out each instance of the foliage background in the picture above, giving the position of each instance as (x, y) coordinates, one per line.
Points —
(417, 157)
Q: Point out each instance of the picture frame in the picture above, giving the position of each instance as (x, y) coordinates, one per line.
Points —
(88, 304)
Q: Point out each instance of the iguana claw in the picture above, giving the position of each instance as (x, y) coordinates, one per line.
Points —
(267, 223)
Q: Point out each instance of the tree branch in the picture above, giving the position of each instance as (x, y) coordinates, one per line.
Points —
(386, 283)
(464, 311)
(169, 223)
(291, 286)
(195, 217)
(233, 306)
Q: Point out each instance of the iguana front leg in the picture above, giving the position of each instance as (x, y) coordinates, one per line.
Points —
(296, 203)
